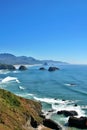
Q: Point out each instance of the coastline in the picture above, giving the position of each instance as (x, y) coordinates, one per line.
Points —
(26, 65)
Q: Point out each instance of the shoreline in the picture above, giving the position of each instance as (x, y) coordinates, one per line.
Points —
(27, 65)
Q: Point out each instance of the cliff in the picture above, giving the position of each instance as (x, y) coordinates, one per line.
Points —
(17, 113)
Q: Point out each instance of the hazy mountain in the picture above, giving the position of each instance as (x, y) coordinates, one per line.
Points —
(6, 58)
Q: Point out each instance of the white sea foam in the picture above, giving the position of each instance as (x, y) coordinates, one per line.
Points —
(53, 101)
(4, 71)
(25, 94)
(17, 80)
(16, 71)
(58, 105)
(68, 84)
(22, 88)
(84, 107)
(9, 78)
(30, 94)
(69, 108)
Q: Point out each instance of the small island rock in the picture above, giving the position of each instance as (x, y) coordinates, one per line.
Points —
(42, 68)
(67, 113)
(22, 67)
(53, 68)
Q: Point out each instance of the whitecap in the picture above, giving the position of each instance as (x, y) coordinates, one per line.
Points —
(17, 80)
(9, 78)
(70, 84)
(22, 88)
(4, 71)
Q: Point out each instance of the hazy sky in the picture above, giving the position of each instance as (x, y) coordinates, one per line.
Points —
(45, 29)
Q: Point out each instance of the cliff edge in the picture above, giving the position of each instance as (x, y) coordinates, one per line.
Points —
(17, 113)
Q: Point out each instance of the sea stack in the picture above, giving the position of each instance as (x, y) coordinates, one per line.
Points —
(22, 67)
(53, 68)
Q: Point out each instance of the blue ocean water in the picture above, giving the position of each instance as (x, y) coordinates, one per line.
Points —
(58, 90)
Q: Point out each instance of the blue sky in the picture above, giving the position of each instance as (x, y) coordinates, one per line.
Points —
(45, 29)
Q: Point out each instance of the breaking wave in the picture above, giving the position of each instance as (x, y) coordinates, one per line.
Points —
(9, 78)
(58, 105)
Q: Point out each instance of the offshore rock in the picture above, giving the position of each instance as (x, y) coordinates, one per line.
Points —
(67, 113)
(42, 68)
(53, 68)
(78, 122)
(22, 67)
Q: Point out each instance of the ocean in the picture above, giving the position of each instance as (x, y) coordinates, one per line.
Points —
(59, 90)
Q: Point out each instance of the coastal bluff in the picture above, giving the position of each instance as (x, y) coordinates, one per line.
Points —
(16, 112)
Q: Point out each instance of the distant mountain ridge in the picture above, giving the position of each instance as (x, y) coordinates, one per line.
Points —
(6, 58)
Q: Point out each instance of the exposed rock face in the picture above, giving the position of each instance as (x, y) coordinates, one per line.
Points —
(5, 66)
(22, 67)
(42, 68)
(78, 122)
(67, 113)
(53, 68)
(16, 112)
(33, 122)
(51, 124)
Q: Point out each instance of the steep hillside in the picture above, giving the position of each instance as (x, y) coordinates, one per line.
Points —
(17, 113)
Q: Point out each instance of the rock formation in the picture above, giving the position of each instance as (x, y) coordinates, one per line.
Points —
(53, 68)
(78, 122)
(6, 66)
(22, 67)
(67, 113)
(42, 68)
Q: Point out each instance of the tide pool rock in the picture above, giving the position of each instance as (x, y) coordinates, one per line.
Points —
(78, 122)
(53, 69)
(67, 113)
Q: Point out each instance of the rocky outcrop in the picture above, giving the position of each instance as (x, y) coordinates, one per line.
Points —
(22, 67)
(5, 66)
(78, 122)
(33, 122)
(67, 113)
(42, 68)
(53, 69)
(51, 124)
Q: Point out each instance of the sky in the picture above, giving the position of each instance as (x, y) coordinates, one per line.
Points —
(45, 29)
